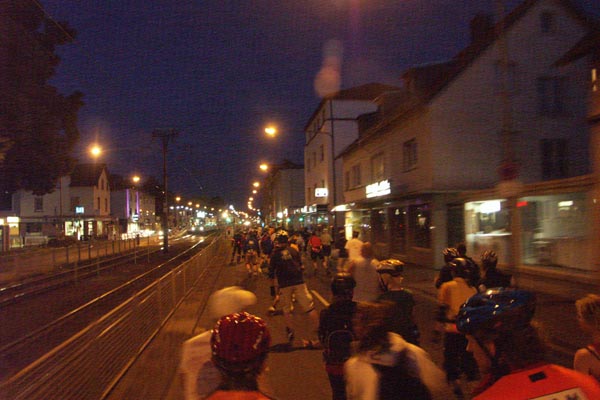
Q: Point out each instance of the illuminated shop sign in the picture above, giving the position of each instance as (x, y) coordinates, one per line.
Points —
(79, 210)
(377, 189)
(321, 192)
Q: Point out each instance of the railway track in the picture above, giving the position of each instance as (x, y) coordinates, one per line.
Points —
(40, 314)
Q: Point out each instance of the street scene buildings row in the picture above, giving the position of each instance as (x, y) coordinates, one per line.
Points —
(496, 148)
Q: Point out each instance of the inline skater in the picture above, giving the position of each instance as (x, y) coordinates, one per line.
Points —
(510, 353)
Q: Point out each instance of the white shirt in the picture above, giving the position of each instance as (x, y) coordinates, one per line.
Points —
(201, 377)
(364, 272)
(353, 246)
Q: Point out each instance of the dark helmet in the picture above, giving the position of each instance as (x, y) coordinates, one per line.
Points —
(450, 253)
(497, 310)
(239, 342)
(282, 238)
(342, 284)
(489, 258)
(391, 266)
(463, 267)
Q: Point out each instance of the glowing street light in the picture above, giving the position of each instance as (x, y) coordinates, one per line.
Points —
(271, 130)
(95, 150)
(256, 184)
(264, 167)
(135, 179)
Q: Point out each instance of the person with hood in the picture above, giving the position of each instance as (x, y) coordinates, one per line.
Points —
(200, 376)
(385, 366)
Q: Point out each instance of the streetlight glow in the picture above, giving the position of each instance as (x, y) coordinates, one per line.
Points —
(264, 167)
(135, 179)
(271, 130)
(95, 150)
(256, 184)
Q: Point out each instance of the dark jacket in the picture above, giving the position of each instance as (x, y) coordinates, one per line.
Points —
(286, 266)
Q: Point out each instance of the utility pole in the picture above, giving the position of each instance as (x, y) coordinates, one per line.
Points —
(165, 135)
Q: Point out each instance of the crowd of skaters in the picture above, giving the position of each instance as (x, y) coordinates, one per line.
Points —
(368, 336)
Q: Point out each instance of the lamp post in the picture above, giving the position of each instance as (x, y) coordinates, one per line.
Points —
(165, 135)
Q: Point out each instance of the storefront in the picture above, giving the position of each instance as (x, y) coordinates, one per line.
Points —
(547, 229)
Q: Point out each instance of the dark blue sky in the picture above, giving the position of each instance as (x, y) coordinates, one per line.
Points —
(220, 70)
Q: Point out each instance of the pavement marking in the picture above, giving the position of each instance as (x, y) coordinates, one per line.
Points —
(321, 299)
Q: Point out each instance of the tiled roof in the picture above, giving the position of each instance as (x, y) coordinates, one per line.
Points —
(86, 174)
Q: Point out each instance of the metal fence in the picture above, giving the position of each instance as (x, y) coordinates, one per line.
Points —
(19, 265)
(90, 363)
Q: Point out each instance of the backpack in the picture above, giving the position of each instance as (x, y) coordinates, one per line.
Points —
(337, 336)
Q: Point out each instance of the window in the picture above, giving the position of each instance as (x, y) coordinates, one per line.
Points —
(554, 158)
(511, 77)
(356, 175)
(347, 180)
(101, 184)
(322, 183)
(594, 80)
(409, 152)
(98, 202)
(419, 223)
(106, 205)
(551, 95)
(547, 22)
(322, 152)
(314, 158)
(38, 204)
(377, 168)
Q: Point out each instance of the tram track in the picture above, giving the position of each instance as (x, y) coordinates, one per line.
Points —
(38, 316)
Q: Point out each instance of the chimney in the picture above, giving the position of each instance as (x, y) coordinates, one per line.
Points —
(482, 27)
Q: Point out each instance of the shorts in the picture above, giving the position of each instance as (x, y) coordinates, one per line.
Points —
(316, 254)
(326, 250)
(251, 257)
(303, 298)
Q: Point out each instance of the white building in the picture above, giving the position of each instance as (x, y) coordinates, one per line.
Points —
(79, 207)
(332, 127)
(283, 195)
(500, 109)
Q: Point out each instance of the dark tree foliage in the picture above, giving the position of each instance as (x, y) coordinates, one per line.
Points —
(38, 125)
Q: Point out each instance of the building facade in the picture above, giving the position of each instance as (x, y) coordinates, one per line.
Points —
(498, 116)
(331, 128)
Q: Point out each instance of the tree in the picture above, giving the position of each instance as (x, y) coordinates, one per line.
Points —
(38, 125)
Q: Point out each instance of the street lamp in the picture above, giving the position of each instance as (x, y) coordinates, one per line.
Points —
(271, 130)
(95, 150)
(256, 184)
(264, 167)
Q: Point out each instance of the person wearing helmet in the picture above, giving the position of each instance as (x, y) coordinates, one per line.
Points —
(492, 277)
(452, 294)
(200, 376)
(510, 353)
(252, 253)
(445, 274)
(335, 332)
(239, 343)
(285, 266)
(402, 322)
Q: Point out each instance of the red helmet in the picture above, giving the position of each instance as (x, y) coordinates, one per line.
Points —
(239, 342)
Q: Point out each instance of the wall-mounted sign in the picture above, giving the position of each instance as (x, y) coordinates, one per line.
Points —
(79, 210)
(321, 192)
(377, 189)
(135, 217)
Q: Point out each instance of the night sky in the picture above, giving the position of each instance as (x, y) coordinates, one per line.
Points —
(218, 71)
